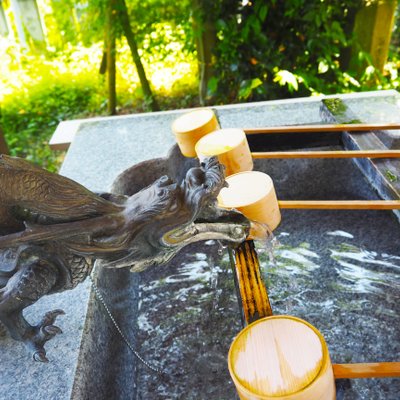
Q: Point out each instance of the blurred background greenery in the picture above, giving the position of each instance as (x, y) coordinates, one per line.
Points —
(58, 57)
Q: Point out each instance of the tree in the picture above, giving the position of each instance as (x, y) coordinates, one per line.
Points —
(130, 37)
(204, 27)
(276, 49)
(110, 45)
(373, 29)
(117, 22)
(3, 144)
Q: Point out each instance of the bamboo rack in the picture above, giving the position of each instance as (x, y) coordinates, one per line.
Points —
(321, 128)
(254, 297)
(329, 154)
(341, 204)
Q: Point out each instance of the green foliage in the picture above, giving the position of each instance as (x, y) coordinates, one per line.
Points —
(37, 92)
(34, 103)
(247, 87)
(264, 50)
(29, 121)
(61, 21)
(294, 48)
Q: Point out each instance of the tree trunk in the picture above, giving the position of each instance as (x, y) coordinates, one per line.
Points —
(110, 27)
(18, 23)
(348, 29)
(205, 34)
(126, 26)
(373, 30)
(3, 144)
(4, 31)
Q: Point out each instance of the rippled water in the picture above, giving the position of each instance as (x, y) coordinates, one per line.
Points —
(357, 270)
(350, 293)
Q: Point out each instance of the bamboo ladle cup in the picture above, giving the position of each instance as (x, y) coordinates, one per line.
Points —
(281, 358)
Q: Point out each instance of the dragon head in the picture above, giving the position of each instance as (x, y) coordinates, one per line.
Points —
(175, 210)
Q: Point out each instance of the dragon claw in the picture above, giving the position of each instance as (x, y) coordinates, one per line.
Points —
(52, 330)
(54, 313)
(42, 333)
(40, 356)
(47, 327)
(51, 316)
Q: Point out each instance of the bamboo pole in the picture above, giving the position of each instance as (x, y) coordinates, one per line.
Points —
(341, 204)
(329, 154)
(366, 370)
(321, 128)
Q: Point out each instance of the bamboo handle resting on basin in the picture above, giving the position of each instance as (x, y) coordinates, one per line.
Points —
(341, 204)
(366, 370)
(321, 128)
(328, 154)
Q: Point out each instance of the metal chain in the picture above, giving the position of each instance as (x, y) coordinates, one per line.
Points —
(118, 328)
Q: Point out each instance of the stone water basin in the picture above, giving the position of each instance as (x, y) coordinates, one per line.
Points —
(339, 270)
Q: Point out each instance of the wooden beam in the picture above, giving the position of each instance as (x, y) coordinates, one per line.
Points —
(366, 370)
(321, 128)
(341, 204)
(329, 154)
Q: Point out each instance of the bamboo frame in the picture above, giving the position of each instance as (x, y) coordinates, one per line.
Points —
(366, 370)
(321, 128)
(341, 204)
(329, 154)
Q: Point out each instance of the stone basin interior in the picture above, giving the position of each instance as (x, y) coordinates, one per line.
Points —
(337, 269)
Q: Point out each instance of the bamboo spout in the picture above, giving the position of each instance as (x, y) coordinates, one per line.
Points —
(253, 292)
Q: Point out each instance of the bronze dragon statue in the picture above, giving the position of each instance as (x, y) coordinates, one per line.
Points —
(52, 229)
